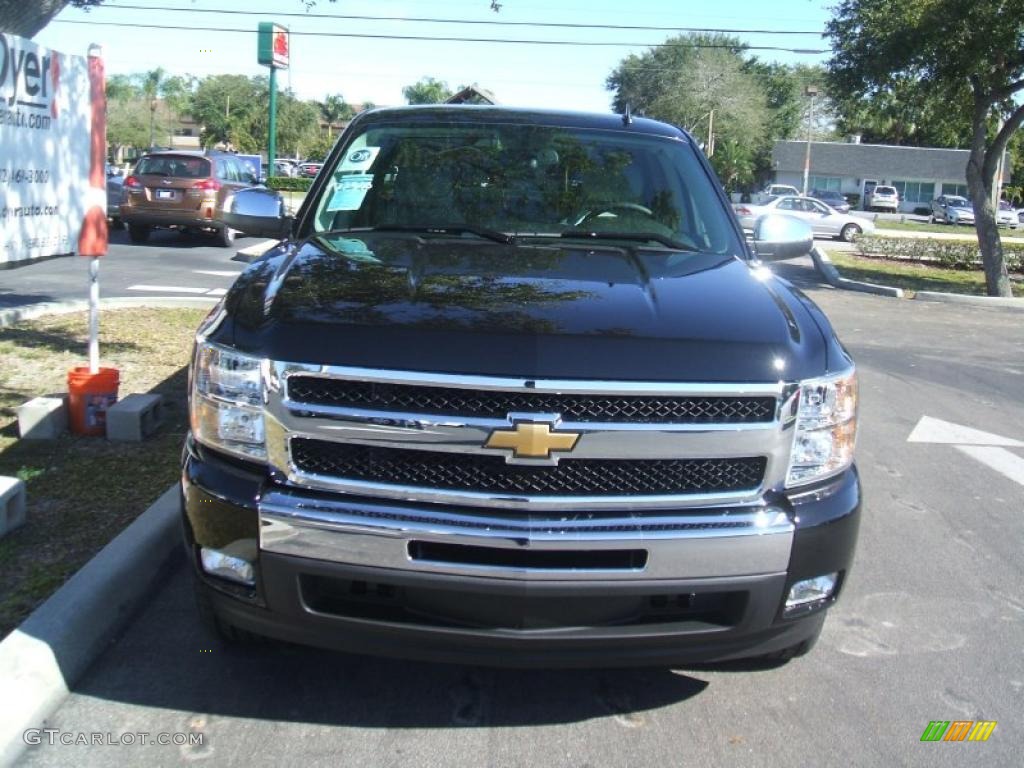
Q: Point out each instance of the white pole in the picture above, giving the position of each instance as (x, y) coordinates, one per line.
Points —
(94, 315)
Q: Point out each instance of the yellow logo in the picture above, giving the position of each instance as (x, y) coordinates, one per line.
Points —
(532, 441)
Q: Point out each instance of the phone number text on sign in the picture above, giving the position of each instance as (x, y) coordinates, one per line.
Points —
(24, 176)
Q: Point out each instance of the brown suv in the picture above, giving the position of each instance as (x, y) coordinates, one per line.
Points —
(182, 190)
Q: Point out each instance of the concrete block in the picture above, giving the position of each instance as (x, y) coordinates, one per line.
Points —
(135, 417)
(13, 502)
(43, 418)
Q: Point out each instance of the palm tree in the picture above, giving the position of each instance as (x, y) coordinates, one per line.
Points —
(153, 83)
(333, 109)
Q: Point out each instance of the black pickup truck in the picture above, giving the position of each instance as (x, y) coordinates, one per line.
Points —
(514, 389)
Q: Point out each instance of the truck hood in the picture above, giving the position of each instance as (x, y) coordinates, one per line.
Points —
(546, 309)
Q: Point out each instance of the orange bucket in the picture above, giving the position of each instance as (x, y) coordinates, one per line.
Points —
(89, 396)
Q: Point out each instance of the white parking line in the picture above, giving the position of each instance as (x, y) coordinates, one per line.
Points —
(167, 289)
(217, 292)
(217, 272)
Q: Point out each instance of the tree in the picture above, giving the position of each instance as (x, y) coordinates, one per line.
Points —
(688, 78)
(231, 109)
(427, 91)
(970, 53)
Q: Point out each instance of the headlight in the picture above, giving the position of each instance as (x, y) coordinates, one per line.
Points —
(226, 402)
(826, 428)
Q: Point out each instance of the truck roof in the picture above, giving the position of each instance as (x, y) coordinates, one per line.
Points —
(493, 114)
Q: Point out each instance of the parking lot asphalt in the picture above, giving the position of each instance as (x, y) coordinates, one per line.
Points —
(931, 626)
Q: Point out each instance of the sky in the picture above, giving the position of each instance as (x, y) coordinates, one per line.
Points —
(360, 69)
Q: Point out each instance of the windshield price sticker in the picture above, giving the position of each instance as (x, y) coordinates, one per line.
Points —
(350, 192)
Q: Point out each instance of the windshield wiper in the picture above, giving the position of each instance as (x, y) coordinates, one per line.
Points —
(453, 229)
(642, 237)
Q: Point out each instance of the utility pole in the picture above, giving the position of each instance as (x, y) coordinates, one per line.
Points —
(711, 133)
(811, 91)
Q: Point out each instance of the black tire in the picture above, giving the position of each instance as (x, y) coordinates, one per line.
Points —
(226, 236)
(116, 224)
(138, 233)
(849, 232)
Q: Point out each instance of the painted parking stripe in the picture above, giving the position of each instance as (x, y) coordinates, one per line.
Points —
(999, 459)
(217, 292)
(217, 272)
(167, 289)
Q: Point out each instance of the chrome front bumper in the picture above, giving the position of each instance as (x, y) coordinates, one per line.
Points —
(716, 543)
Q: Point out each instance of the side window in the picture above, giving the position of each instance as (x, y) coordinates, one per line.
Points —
(814, 207)
(223, 172)
(787, 204)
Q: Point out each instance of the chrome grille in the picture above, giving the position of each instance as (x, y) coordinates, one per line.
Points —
(490, 474)
(600, 408)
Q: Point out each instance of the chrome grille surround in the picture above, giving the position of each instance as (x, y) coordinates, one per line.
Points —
(287, 419)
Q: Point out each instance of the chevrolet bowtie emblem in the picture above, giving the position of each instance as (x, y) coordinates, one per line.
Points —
(532, 441)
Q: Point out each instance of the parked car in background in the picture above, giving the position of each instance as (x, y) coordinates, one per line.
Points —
(1006, 216)
(115, 193)
(883, 198)
(774, 190)
(182, 190)
(952, 209)
(825, 221)
(832, 199)
(310, 168)
(283, 167)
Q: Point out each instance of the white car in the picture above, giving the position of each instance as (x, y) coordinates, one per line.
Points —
(1006, 216)
(825, 221)
(883, 198)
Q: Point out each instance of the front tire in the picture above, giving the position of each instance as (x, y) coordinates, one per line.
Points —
(849, 232)
(138, 233)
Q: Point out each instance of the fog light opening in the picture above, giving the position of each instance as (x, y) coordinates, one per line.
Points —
(809, 594)
(227, 566)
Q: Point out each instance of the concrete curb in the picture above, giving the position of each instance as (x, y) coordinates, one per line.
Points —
(993, 302)
(17, 314)
(43, 658)
(827, 269)
(254, 251)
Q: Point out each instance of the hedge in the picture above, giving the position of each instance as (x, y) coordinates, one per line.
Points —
(953, 254)
(289, 183)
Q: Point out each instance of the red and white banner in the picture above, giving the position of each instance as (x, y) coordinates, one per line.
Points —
(52, 152)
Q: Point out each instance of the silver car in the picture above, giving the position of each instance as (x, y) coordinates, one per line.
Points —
(952, 209)
(825, 221)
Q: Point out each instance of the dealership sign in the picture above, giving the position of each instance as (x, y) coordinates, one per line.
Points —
(52, 173)
(272, 50)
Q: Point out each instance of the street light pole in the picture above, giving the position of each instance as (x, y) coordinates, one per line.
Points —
(810, 91)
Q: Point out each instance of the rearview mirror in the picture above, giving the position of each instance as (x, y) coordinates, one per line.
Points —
(258, 212)
(777, 236)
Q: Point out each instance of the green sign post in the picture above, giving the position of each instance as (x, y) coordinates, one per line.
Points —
(272, 51)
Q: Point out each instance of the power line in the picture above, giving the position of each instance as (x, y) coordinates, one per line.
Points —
(426, 38)
(487, 22)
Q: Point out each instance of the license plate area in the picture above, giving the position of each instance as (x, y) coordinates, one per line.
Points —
(166, 194)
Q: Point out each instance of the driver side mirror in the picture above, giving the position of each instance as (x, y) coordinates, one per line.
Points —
(257, 211)
(779, 237)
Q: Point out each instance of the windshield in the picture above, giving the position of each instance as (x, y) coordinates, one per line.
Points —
(958, 202)
(526, 180)
(885, 190)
